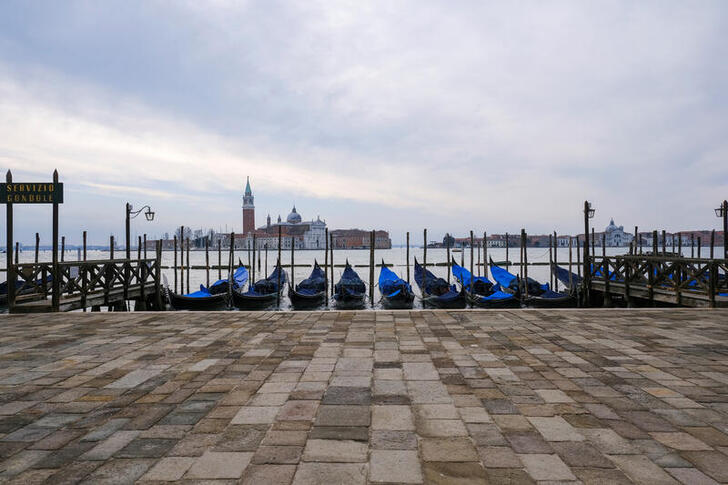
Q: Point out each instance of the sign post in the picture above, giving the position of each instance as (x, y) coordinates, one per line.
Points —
(12, 193)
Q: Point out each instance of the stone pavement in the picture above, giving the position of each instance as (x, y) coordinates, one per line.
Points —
(521, 396)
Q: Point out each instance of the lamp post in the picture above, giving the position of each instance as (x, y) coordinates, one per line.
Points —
(722, 211)
(131, 214)
(588, 214)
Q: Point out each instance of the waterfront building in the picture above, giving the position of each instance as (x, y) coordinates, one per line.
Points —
(248, 209)
(615, 236)
(360, 239)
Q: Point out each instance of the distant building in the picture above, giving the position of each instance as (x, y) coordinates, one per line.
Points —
(615, 236)
(248, 209)
(358, 239)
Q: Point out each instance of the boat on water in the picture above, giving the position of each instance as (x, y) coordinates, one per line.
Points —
(263, 294)
(484, 293)
(531, 292)
(311, 292)
(569, 279)
(350, 292)
(396, 293)
(436, 292)
(214, 297)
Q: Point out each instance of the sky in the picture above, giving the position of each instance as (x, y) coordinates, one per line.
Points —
(395, 115)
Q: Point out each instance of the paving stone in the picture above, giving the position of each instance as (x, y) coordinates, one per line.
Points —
(56, 440)
(601, 476)
(640, 469)
(354, 433)
(120, 471)
(447, 449)
(344, 415)
(446, 473)
(298, 411)
(217, 465)
(680, 441)
(499, 457)
(169, 469)
(277, 455)
(393, 440)
(20, 462)
(146, 448)
(398, 466)
(691, 476)
(106, 449)
(269, 474)
(578, 454)
(348, 395)
(546, 467)
(331, 473)
(392, 418)
(256, 415)
(555, 429)
(441, 428)
(337, 451)
(712, 463)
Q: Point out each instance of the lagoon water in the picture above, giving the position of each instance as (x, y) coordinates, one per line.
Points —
(358, 258)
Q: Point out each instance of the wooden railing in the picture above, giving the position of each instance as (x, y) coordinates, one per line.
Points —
(675, 277)
(84, 279)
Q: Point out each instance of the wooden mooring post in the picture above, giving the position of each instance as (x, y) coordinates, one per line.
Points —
(175, 263)
(279, 268)
(524, 242)
(207, 261)
(712, 242)
(17, 252)
(37, 247)
(447, 245)
(293, 264)
(507, 246)
(551, 262)
(11, 277)
(578, 257)
(485, 255)
(254, 251)
(182, 259)
(189, 266)
(571, 283)
(63, 247)
(408, 258)
(219, 258)
(326, 264)
(84, 245)
(556, 261)
(472, 275)
(424, 267)
(372, 241)
(331, 248)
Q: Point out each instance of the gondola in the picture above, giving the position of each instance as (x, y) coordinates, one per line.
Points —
(262, 294)
(23, 288)
(531, 292)
(396, 293)
(570, 280)
(311, 292)
(484, 293)
(215, 297)
(350, 292)
(436, 292)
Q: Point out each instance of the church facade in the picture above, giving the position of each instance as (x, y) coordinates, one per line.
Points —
(294, 230)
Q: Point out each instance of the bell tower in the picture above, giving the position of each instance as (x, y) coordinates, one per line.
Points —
(248, 209)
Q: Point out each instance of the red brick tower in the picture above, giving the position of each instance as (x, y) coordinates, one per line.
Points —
(248, 210)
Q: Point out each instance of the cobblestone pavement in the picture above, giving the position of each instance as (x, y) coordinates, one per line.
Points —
(591, 396)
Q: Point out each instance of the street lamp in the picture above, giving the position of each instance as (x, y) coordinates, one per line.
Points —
(588, 214)
(130, 214)
(722, 211)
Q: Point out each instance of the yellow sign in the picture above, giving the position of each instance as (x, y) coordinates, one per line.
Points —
(31, 193)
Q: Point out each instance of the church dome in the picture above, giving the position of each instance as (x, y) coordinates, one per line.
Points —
(611, 227)
(294, 217)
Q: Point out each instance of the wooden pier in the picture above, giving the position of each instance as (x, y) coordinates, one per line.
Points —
(664, 279)
(87, 284)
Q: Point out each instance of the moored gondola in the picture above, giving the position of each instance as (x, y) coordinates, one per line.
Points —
(311, 292)
(350, 292)
(263, 294)
(396, 293)
(484, 293)
(436, 292)
(531, 292)
(208, 299)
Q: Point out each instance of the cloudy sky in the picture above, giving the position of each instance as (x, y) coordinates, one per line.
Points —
(395, 114)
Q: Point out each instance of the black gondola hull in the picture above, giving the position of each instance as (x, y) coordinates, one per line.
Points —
(566, 301)
(350, 302)
(477, 301)
(299, 301)
(445, 304)
(205, 303)
(401, 301)
(254, 302)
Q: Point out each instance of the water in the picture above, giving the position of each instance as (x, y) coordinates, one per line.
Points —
(357, 258)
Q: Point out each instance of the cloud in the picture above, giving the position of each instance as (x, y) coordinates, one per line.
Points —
(503, 115)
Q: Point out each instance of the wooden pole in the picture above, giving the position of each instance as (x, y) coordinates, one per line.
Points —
(84, 245)
(17, 252)
(664, 243)
(231, 254)
(507, 246)
(477, 266)
(408, 259)
(188, 265)
(326, 264)
(280, 270)
(679, 243)
(654, 243)
(182, 259)
(253, 267)
(145, 246)
(293, 265)
(139, 248)
(37, 246)
(9, 247)
(63, 247)
(472, 275)
(219, 258)
(485, 255)
(712, 242)
(207, 261)
(636, 238)
(175, 263)
(525, 261)
(266, 260)
(372, 239)
(699, 246)
(424, 267)
(447, 245)
(520, 246)
(331, 246)
(247, 245)
(551, 263)
(578, 257)
(111, 246)
(571, 283)
(556, 259)
(692, 245)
